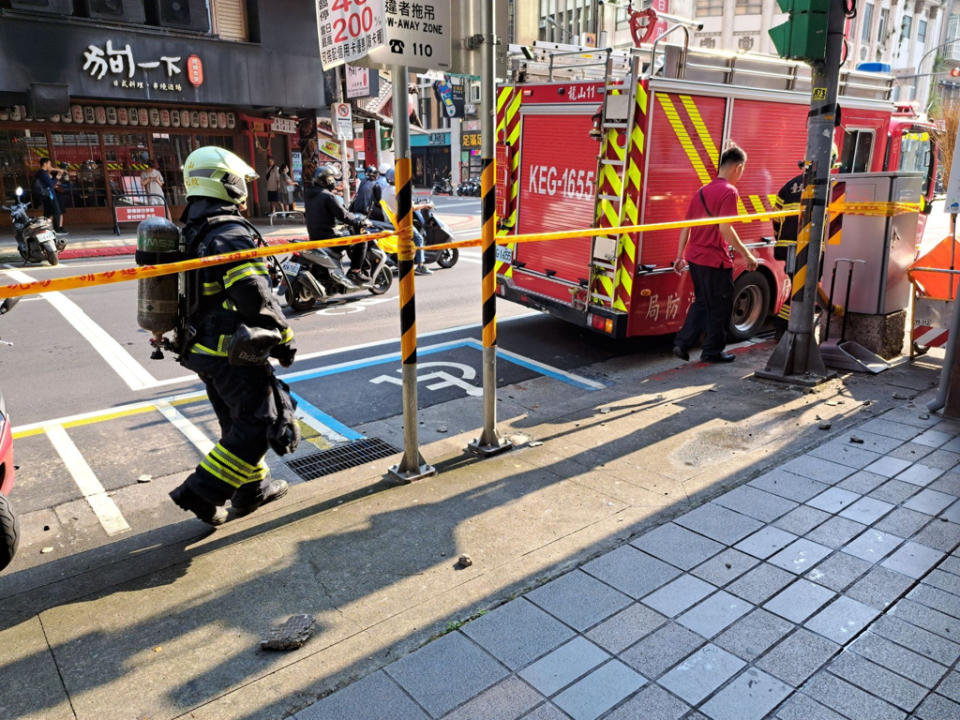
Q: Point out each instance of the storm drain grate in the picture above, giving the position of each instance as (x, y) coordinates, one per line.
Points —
(341, 457)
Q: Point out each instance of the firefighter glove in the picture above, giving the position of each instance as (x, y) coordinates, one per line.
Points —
(252, 345)
(284, 353)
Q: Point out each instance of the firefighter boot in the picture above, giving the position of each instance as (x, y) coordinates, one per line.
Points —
(188, 500)
(251, 496)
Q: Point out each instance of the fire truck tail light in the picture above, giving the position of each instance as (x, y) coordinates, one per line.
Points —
(598, 322)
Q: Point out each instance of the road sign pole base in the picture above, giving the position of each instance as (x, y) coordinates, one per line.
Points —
(406, 472)
(484, 447)
(796, 360)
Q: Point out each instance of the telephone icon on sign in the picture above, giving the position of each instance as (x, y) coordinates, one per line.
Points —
(396, 46)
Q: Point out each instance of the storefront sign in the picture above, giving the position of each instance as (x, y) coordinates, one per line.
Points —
(136, 213)
(331, 148)
(439, 138)
(342, 116)
(417, 34)
(121, 67)
(471, 140)
(358, 82)
(451, 97)
(195, 70)
(286, 126)
(349, 29)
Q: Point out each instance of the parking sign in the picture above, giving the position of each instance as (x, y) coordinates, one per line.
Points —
(348, 29)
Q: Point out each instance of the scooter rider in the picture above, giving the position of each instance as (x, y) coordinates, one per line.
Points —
(324, 212)
(232, 325)
(364, 197)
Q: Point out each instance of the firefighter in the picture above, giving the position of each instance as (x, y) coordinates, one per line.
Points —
(231, 326)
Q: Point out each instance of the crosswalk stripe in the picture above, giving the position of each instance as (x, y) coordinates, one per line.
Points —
(194, 434)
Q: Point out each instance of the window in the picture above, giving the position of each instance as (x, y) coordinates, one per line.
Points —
(952, 50)
(709, 8)
(81, 152)
(882, 26)
(922, 32)
(866, 19)
(915, 150)
(169, 152)
(906, 26)
(20, 156)
(748, 7)
(230, 19)
(126, 157)
(856, 151)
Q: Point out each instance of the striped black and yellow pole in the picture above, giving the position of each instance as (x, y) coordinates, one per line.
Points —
(489, 442)
(412, 465)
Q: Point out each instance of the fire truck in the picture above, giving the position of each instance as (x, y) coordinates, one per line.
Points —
(604, 138)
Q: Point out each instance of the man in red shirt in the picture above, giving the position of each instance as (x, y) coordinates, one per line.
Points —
(705, 250)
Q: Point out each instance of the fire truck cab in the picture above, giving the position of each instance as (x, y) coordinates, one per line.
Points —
(604, 138)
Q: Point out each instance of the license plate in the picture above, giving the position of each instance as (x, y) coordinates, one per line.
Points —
(46, 235)
(291, 268)
(504, 254)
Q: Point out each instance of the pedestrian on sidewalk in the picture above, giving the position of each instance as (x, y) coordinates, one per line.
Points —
(152, 182)
(289, 187)
(706, 251)
(273, 186)
(45, 187)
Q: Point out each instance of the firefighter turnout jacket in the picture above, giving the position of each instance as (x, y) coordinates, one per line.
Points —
(788, 198)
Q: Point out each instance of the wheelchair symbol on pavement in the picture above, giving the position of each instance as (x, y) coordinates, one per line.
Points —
(440, 378)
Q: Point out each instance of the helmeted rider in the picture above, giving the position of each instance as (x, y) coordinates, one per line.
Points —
(324, 212)
(232, 326)
(364, 197)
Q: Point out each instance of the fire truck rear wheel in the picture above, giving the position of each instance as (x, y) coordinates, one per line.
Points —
(9, 532)
(751, 303)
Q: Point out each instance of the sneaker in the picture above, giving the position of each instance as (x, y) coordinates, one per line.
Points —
(187, 499)
(718, 358)
(274, 491)
(423, 270)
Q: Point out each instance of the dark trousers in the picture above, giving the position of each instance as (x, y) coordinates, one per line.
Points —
(710, 312)
(51, 209)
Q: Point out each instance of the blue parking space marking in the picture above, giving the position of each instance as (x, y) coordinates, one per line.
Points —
(327, 420)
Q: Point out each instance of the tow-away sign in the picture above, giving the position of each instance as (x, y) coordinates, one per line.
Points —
(349, 29)
(416, 34)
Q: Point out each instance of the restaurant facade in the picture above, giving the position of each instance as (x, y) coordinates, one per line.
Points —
(103, 97)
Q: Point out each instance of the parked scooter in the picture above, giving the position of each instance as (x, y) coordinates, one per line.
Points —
(36, 239)
(469, 188)
(435, 232)
(9, 525)
(442, 187)
(314, 276)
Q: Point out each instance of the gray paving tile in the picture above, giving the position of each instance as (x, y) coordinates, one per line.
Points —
(937, 707)
(862, 482)
(760, 583)
(661, 650)
(833, 500)
(446, 673)
(756, 503)
(933, 438)
(816, 469)
(942, 458)
(765, 542)
(801, 520)
(917, 639)
(547, 711)
(836, 532)
(599, 691)
(936, 598)
(845, 453)
(898, 659)
(799, 600)
(913, 416)
(622, 630)
(949, 483)
(879, 681)
(677, 546)
(838, 571)
(903, 522)
(950, 686)
(719, 523)
(944, 580)
(800, 555)
(920, 474)
(866, 510)
(564, 665)
(894, 491)
(725, 567)
(849, 700)
(877, 443)
(880, 587)
(911, 451)
(927, 618)
(714, 614)
(365, 700)
(578, 599)
(651, 703)
(912, 559)
(803, 707)
(788, 485)
(701, 673)
(517, 633)
(749, 697)
(631, 571)
(753, 634)
(939, 535)
(842, 620)
(952, 513)
(889, 428)
(677, 595)
(798, 657)
(507, 700)
(929, 501)
(888, 466)
(873, 545)
(953, 445)
(951, 563)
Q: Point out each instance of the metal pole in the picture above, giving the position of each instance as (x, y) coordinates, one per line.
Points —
(412, 465)
(797, 356)
(490, 441)
(344, 161)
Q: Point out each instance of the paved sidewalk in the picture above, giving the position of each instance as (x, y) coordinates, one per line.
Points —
(827, 588)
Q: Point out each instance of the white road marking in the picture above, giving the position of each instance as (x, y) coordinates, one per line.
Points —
(130, 371)
(102, 504)
(194, 434)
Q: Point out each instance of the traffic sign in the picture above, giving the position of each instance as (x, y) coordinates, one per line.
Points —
(349, 29)
(342, 115)
(416, 34)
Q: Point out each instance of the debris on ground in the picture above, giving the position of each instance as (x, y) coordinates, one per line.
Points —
(291, 634)
(825, 425)
(856, 439)
(464, 561)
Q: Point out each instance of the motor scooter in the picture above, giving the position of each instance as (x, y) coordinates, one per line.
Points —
(442, 186)
(313, 276)
(9, 524)
(36, 239)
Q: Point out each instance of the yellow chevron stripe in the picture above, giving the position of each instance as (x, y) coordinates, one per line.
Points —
(701, 129)
(502, 98)
(799, 280)
(613, 141)
(685, 142)
(757, 203)
(606, 207)
(773, 200)
(642, 99)
(627, 246)
(625, 281)
(607, 284)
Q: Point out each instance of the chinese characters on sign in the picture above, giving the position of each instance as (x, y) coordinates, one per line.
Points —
(348, 29)
(417, 34)
(120, 64)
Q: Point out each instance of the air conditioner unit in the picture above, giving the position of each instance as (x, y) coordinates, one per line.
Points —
(52, 7)
(473, 93)
(130, 11)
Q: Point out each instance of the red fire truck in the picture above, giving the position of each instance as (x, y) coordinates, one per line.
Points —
(603, 138)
